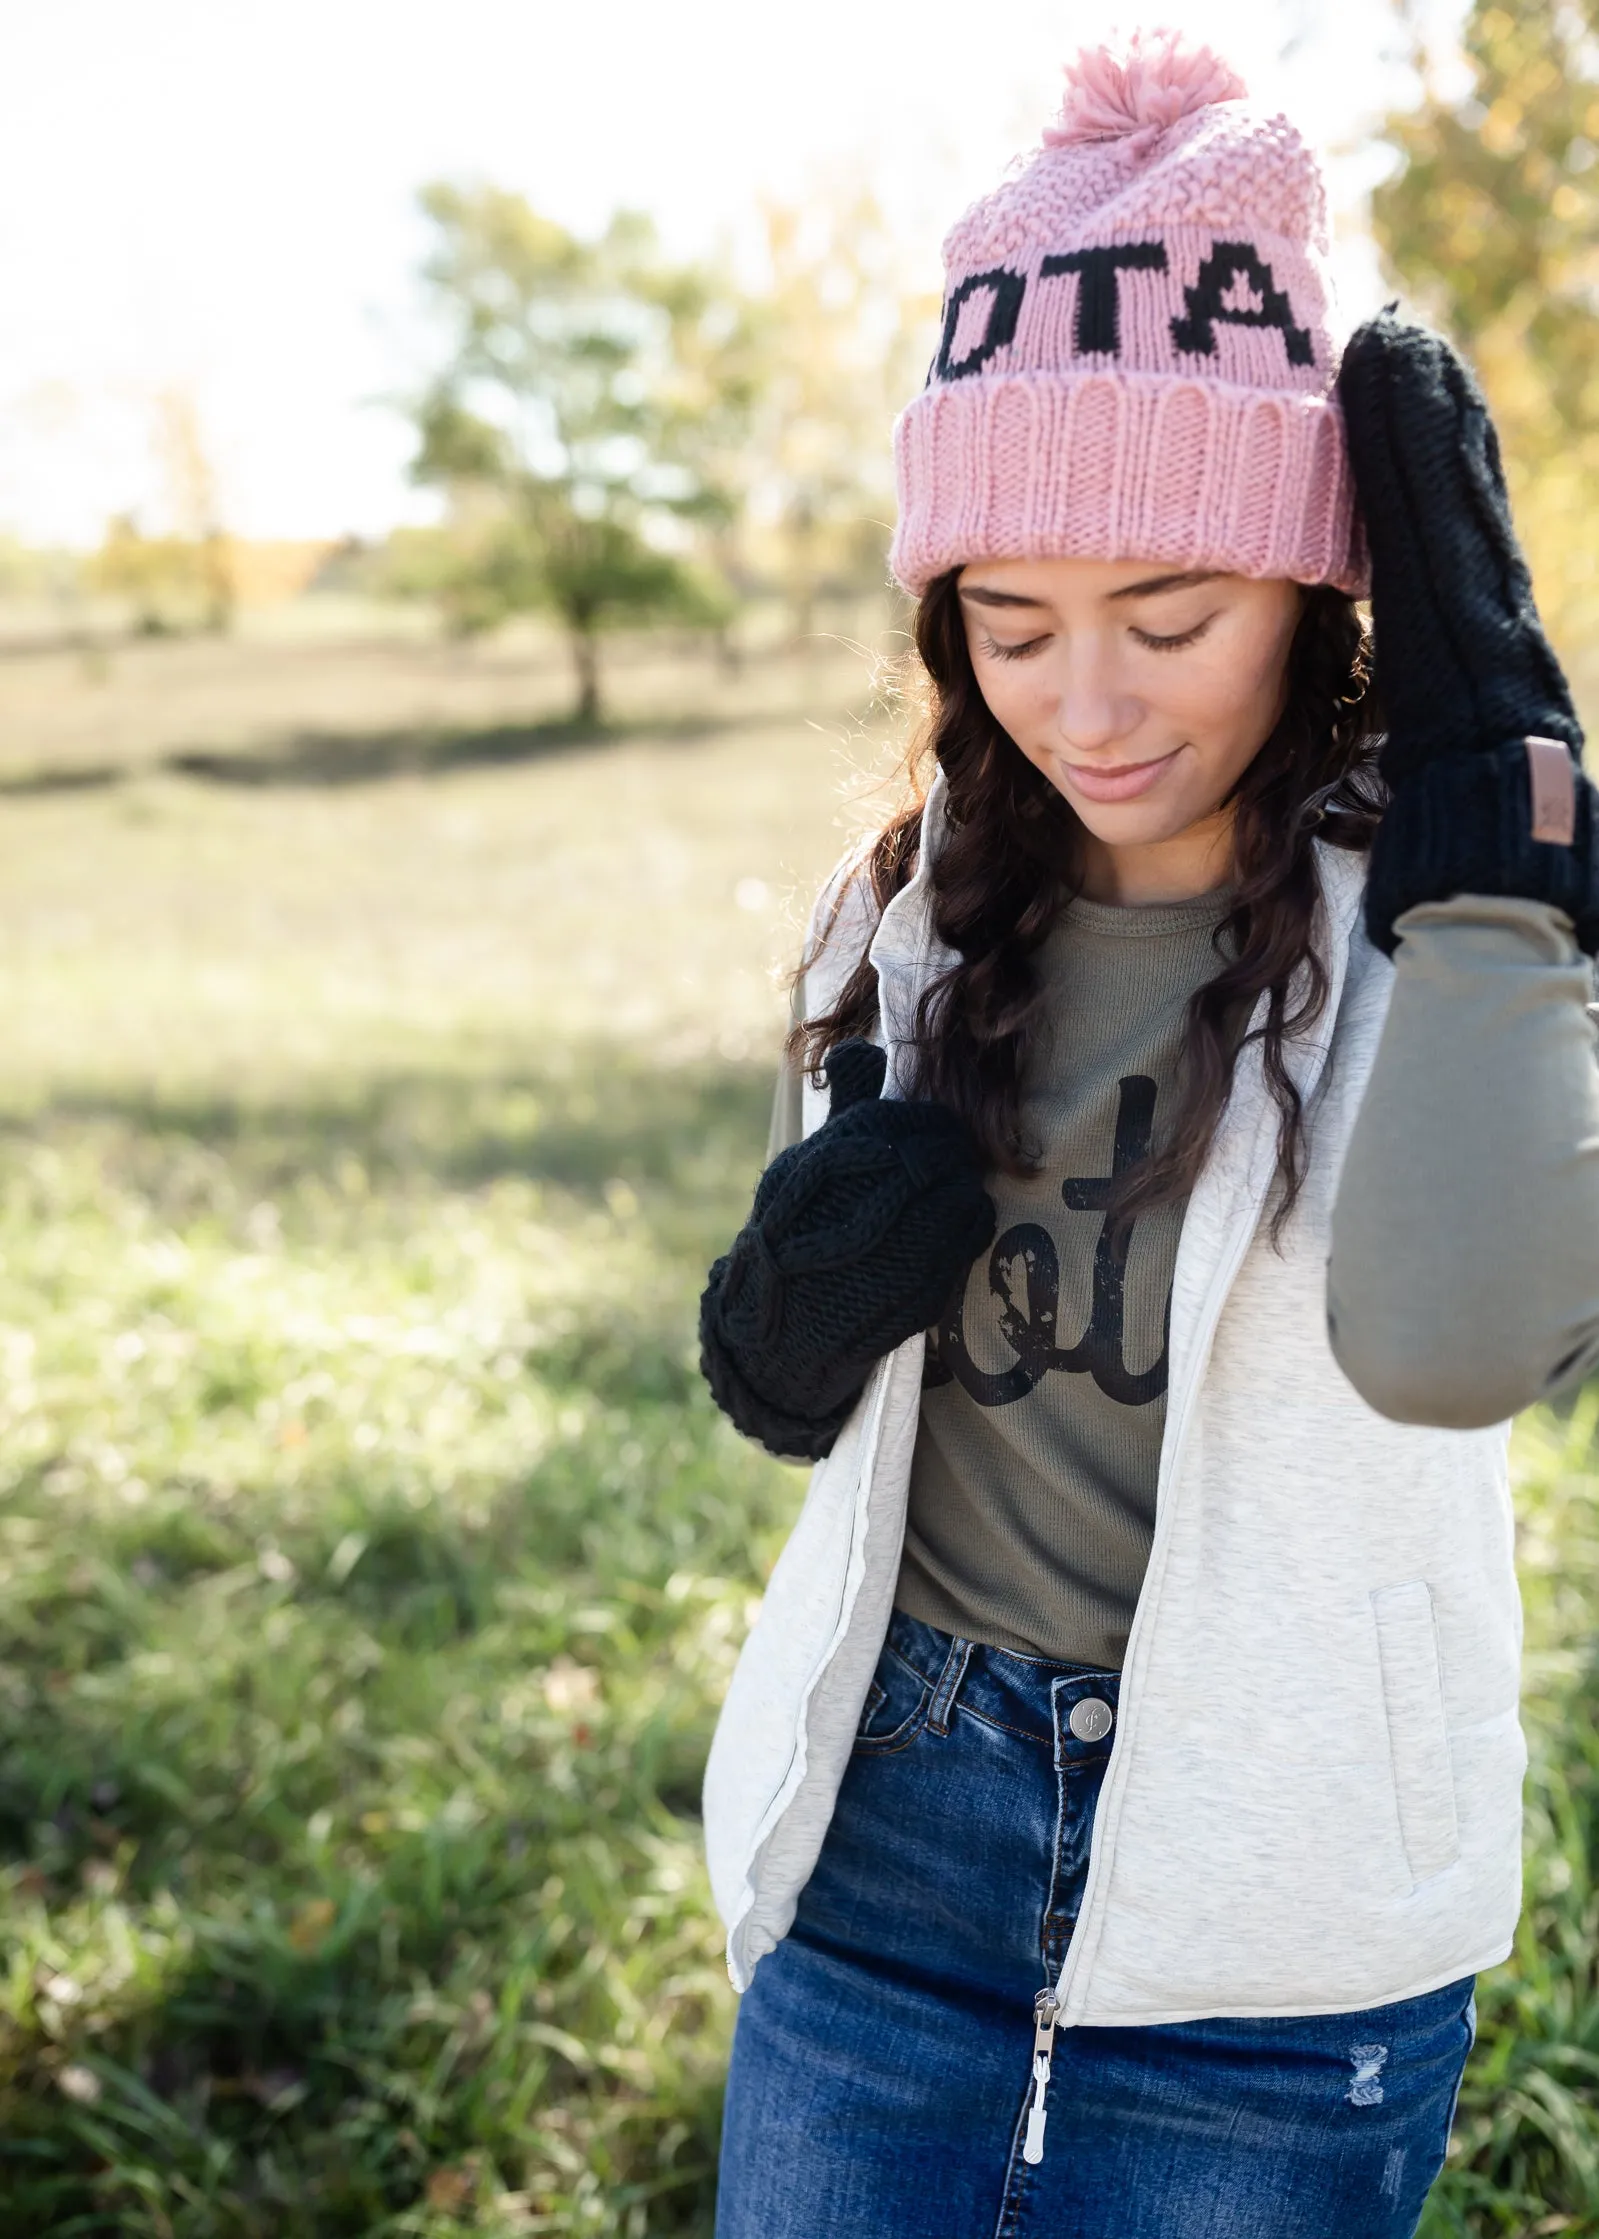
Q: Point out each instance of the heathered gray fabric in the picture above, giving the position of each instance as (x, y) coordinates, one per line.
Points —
(1032, 1509)
(1324, 1656)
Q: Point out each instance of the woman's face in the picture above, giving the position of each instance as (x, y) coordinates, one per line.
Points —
(1142, 693)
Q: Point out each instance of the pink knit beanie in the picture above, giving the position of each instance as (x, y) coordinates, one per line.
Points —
(1137, 358)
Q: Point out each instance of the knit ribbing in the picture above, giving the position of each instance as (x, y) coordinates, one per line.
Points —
(1110, 467)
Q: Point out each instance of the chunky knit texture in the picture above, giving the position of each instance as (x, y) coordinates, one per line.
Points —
(855, 1242)
(1463, 825)
(1137, 353)
(1464, 671)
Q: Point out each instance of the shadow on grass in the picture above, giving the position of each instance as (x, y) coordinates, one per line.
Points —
(310, 2062)
(341, 758)
(86, 777)
(272, 2089)
(288, 2032)
(599, 1117)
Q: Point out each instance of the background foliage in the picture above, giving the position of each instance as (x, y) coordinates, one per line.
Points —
(1491, 224)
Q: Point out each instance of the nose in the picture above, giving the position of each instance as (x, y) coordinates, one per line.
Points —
(1092, 713)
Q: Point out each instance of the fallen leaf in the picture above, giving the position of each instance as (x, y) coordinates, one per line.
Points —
(309, 1928)
(449, 2188)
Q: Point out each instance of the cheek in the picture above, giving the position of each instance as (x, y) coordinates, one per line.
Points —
(1229, 702)
(1013, 692)
(1226, 711)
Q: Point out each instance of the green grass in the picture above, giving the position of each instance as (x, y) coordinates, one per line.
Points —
(371, 1562)
(1525, 2153)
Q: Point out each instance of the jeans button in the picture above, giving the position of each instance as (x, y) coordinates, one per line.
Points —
(1091, 1719)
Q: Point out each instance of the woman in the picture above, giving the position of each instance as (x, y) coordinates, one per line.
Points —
(1120, 1788)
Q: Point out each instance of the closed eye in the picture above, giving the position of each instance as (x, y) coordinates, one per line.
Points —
(1002, 652)
(1172, 644)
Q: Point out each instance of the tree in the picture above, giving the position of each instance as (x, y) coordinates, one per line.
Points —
(170, 585)
(845, 343)
(1492, 223)
(591, 393)
(185, 579)
(192, 496)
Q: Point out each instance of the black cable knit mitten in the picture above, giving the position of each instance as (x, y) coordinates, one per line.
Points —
(1465, 674)
(857, 1237)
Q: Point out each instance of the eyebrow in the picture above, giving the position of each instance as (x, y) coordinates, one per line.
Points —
(1181, 581)
(980, 595)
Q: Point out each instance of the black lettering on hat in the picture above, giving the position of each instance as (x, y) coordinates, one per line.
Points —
(1003, 312)
(1097, 321)
(1229, 259)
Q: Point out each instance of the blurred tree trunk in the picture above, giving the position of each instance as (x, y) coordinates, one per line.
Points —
(586, 660)
(221, 592)
(192, 495)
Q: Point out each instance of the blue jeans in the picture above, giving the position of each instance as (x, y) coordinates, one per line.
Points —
(882, 2071)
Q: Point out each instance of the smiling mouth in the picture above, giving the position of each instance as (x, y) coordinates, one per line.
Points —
(1119, 782)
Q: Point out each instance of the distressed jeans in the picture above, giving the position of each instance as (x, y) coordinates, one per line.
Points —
(883, 2065)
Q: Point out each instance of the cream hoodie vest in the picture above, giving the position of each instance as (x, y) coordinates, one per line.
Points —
(1313, 1799)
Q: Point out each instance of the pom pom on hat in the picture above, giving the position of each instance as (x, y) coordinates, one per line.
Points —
(1139, 87)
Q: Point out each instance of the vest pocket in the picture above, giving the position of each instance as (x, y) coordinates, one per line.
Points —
(1418, 1737)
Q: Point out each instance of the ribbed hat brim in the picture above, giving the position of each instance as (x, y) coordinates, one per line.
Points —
(1125, 466)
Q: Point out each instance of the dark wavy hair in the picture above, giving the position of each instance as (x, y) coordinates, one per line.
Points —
(1008, 867)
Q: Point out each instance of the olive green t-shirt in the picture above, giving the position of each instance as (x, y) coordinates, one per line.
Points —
(1032, 1496)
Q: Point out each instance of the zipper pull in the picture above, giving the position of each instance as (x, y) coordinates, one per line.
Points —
(1045, 2011)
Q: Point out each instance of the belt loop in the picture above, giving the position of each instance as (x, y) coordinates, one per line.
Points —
(1060, 1710)
(949, 1683)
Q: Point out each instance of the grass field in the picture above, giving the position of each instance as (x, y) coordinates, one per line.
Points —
(370, 1560)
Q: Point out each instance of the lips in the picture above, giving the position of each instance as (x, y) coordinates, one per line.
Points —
(1116, 781)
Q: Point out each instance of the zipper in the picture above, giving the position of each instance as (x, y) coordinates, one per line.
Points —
(1046, 2012)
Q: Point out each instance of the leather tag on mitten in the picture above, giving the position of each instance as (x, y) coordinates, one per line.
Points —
(1522, 820)
(1552, 782)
